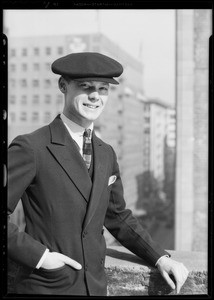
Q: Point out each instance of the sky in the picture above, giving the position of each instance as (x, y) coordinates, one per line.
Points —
(148, 35)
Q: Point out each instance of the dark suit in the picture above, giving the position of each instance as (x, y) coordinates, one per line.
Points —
(65, 211)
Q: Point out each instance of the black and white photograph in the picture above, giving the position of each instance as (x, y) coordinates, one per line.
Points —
(107, 151)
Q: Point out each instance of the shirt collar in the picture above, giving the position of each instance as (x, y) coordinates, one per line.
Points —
(75, 128)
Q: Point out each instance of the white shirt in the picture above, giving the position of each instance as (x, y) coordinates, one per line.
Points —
(76, 131)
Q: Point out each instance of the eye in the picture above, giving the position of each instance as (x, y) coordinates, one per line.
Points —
(85, 86)
(104, 89)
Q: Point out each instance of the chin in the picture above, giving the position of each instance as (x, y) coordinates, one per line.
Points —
(92, 117)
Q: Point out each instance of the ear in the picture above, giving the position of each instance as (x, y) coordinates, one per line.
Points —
(62, 85)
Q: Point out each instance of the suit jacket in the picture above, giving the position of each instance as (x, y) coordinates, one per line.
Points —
(65, 211)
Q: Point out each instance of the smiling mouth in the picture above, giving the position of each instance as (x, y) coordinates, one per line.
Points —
(91, 106)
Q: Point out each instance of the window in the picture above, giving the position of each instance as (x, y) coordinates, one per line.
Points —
(12, 117)
(36, 51)
(36, 67)
(23, 82)
(24, 99)
(47, 66)
(24, 52)
(23, 116)
(12, 82)
(47, 99)
(13, 67)
(13, 52)
(147, 130)
(48, 50)
(35, 99)
(35, 116)
(47, 117)
(47, 83)
(35, 83)
(24, 67)
(60, 50)
(12, 99)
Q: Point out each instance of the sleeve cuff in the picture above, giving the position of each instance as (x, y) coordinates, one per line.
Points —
(42, 259)
(160, 259)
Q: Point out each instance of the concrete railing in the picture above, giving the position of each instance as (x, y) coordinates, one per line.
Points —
(129, 275)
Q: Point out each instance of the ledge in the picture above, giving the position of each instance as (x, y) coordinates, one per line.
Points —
(129, 275)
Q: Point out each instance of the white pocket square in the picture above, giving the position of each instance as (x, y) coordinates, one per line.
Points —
(112, 179)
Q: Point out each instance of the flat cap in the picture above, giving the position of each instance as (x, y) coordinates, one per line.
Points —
(88, 66)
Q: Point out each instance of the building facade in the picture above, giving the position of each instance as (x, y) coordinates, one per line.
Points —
(34, 98)
(193, 30)
(159, 133)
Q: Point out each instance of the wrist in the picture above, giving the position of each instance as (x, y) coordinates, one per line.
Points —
(161, 260)
(42, 259)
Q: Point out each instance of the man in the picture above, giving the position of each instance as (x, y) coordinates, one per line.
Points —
(70, 187)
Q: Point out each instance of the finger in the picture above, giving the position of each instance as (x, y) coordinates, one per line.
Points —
(186, 272)
(185, 275)
(178, 287)
(71, 262)
(168, 279)
(180, 277)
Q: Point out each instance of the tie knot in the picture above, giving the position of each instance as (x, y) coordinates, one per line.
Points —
(87, 133)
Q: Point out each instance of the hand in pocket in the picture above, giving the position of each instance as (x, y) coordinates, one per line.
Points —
(55, 260)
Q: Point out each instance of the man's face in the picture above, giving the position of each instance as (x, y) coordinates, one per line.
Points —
(85, 101)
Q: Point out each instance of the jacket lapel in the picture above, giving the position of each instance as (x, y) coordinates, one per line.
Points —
(65, 151)
(100, 173)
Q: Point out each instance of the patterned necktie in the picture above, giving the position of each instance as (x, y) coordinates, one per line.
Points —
(87, 147)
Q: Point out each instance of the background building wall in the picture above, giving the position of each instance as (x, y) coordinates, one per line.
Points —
(193, 32)
(34, 98)
(158, 180)
(202, 32)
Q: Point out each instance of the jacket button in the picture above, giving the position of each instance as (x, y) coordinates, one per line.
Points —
(102, 261)
(86, 267)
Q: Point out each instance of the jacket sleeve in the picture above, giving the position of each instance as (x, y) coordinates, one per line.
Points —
(126, 228)
(22, 248)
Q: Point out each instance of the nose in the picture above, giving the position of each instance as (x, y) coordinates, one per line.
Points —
(94, 97)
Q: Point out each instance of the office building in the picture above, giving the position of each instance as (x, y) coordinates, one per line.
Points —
(34, 98)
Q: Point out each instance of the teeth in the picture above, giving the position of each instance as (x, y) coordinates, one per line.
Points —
(90, 106)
